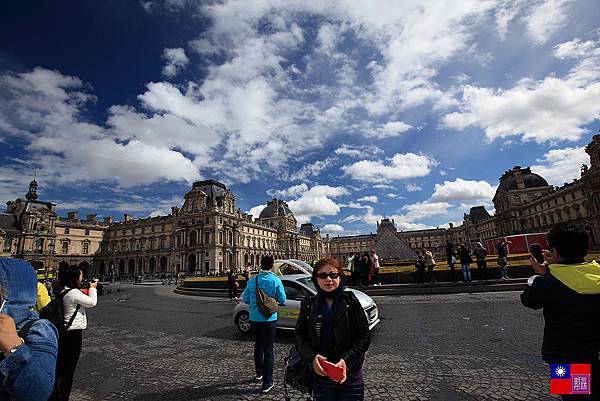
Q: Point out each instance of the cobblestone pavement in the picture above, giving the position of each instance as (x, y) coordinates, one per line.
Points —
(148, 344)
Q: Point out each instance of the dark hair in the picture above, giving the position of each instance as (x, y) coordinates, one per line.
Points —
(327, 262)
(569, 240)
(266, 263)
(70, 277)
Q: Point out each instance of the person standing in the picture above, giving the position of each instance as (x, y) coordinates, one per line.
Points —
(464, 254)
(75, 303)
(503, 259)
(365, 267)
(375, 267)
(567, 288)
(232, 285)
(430, 263)
(480, 255)
(450, 259)
(332, 327)
(42, 298)
(264, 327)
(28, 344)
(420, 269)
(356, 269)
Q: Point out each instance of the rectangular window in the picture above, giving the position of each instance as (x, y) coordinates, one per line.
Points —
(65, 247)
(7, 243)
(85, 248)
(207, 238)
(220, 237)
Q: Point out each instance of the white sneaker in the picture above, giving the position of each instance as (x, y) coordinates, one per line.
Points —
(258, 378)
(266, 390)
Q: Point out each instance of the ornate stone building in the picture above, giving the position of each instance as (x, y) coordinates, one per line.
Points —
(31, 229)
(208, 234)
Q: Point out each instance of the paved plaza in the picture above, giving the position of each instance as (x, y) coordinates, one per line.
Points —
(145, 343)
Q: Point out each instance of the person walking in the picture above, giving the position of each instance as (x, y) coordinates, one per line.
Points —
(503, 258)
(451, 259)
(430, 263)
(75, 303)
(374, 258)
(480, 255)
(464, 254)
(567, 288)
(263, 327)
(28, 343)
(332, 329)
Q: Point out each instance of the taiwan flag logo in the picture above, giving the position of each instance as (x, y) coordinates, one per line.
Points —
(568, 378)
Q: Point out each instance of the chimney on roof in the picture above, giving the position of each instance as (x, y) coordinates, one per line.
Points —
(91, 218)
(127, 217)
(108, 220)
(74, 216)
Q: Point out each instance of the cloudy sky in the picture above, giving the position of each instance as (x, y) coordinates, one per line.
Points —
(349, 110)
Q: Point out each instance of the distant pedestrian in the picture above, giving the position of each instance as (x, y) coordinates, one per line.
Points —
(374, 267)
(232, 285)
(365, 267)
(503, 258)
(263, 327)
(420, 269)
(356, 272)
(451, 259)
(247, 273)
(430, 263)
(480, 255)
(464, 254)
(332, 328)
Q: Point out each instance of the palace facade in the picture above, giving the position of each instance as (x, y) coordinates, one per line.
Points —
(208, 235)
(31, 230)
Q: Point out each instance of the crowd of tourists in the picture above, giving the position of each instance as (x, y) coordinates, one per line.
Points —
(364, 268)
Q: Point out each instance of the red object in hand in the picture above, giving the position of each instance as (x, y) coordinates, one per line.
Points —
(334, 372)
(85, 291)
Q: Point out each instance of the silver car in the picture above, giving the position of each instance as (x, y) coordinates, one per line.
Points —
(297, 287)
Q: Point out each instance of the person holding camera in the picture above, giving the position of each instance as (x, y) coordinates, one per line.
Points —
(28, 344)
(75, 303)
(567, 288)
(332, 335)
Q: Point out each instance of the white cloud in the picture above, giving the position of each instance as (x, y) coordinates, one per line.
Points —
(422, 210)
(357, 151)
(412, 188)
(552, 109)
(401, 166)
(459, 190)
(371, 198)
(388, 130)
(332, 229)
(176, 60)
(290, 192)
(310, 169)
(558, 166)
(317, 202)
(547, 17)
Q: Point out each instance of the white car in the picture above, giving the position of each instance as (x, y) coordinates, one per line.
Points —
(284, 267)
(297, 287)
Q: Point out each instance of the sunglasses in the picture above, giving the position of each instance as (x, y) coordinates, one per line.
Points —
(333, 275)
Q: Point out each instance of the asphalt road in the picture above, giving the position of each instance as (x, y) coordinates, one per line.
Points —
(145, 343)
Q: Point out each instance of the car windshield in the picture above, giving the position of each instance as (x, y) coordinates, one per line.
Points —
(302, 264)
(307, 282)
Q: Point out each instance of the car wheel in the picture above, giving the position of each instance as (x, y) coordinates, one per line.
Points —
(242, 321)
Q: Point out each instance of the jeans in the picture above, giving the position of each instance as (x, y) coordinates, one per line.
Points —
(466, 271)
(329, 391)
(264, 357)
(482, 268)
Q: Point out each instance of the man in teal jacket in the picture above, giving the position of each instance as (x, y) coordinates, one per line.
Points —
(264, 327)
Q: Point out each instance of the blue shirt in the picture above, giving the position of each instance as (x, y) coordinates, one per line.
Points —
(272, 286)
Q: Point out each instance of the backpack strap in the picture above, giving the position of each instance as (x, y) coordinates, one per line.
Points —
(61, 296)
(25, 329)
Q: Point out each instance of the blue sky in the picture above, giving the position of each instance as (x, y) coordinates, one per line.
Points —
(349, 110)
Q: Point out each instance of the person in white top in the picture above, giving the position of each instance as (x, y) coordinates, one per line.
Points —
(75, 303)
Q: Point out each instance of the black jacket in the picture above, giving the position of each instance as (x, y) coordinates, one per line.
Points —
(570, 297)
(351, 336)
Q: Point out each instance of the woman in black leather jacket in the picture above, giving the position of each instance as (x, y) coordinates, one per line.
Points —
(332, 327)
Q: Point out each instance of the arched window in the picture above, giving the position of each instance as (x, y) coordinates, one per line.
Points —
(87, 231)
(66, 230)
